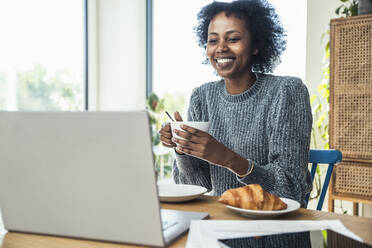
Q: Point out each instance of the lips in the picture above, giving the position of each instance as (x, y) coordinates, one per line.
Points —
(224, 63)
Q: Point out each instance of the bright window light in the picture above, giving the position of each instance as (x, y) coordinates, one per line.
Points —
(41, 55)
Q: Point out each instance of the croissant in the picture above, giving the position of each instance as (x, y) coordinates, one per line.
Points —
(252, 197)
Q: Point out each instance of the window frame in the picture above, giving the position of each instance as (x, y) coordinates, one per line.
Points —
(86, 57)
(149, 46)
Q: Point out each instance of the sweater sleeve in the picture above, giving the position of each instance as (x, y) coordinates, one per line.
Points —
(188, 169)
(289, 128)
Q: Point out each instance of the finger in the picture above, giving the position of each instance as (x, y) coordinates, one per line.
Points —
(178, 116)
(192, 147)
(167, 141)
(166, 134)
(186, 135)
(188, 151)
(184, 143)
(169, 146)
(194, 131)
(166, 126)
(189, 136)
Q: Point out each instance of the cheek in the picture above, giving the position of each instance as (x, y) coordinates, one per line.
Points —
(245, 54)
(239, 49)
(209, 52)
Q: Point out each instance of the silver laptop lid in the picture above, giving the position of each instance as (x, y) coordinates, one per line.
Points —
(79, 174)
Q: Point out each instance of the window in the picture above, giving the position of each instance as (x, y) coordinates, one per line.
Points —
(42, 55)
(177, 59)
(294, 22)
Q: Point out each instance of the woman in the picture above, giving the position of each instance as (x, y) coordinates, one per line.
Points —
(260, 124)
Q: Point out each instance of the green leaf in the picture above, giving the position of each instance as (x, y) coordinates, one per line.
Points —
(152, 120)
(318, 171)
(156, 139)
(345, 11)
(322, 87)
(318, 123)
(152, 101)
(160, 106)
(312, 99)
(338, 10)
(324, 232)
(354, 9)
(318, 108)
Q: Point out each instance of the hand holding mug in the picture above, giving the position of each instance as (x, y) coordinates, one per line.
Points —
(166, 132)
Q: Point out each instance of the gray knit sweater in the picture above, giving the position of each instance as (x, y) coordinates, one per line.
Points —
(269, 124)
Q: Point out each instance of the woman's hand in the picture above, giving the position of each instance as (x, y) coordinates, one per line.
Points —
(166, 133)
(204, 146)
(166, 136)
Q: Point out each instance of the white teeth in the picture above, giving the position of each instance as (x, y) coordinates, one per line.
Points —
(224, 60)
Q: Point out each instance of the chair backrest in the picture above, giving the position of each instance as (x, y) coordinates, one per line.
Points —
(329, 157)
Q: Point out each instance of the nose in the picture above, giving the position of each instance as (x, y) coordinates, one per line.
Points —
(222, 47)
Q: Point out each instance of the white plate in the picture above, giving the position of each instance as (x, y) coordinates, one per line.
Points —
(179, 192)
(292, 205)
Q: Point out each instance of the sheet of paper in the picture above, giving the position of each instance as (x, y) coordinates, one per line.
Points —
(2, 230)
(204, 233)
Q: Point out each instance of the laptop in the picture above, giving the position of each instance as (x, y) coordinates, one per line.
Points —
(84, 175)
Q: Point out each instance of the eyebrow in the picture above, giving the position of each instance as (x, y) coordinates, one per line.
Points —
(228, 32)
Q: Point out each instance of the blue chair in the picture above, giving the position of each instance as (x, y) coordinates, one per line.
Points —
(329, 157)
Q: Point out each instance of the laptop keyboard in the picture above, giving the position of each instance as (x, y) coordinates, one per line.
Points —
(167, 224)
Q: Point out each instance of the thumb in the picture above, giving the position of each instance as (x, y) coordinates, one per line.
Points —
(177, 116)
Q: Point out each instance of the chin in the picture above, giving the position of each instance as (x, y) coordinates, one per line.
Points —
(224, 74)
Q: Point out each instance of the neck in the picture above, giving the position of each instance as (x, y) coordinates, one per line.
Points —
(235, 86)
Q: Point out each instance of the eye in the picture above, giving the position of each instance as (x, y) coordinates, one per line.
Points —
(212, 41)
(233, 40)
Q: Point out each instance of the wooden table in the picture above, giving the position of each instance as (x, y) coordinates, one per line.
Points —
(359, 225)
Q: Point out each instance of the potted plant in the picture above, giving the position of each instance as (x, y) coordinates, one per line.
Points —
(348, 8)
(354, 8)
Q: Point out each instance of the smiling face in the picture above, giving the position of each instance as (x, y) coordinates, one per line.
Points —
(229, 46)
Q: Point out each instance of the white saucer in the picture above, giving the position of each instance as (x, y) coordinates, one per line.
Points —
(179, 192)
(292, 205)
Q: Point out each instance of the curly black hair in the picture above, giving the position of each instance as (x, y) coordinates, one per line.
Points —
(260, 19)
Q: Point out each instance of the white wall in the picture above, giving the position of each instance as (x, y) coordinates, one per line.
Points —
(319, 13)
(117, 54)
